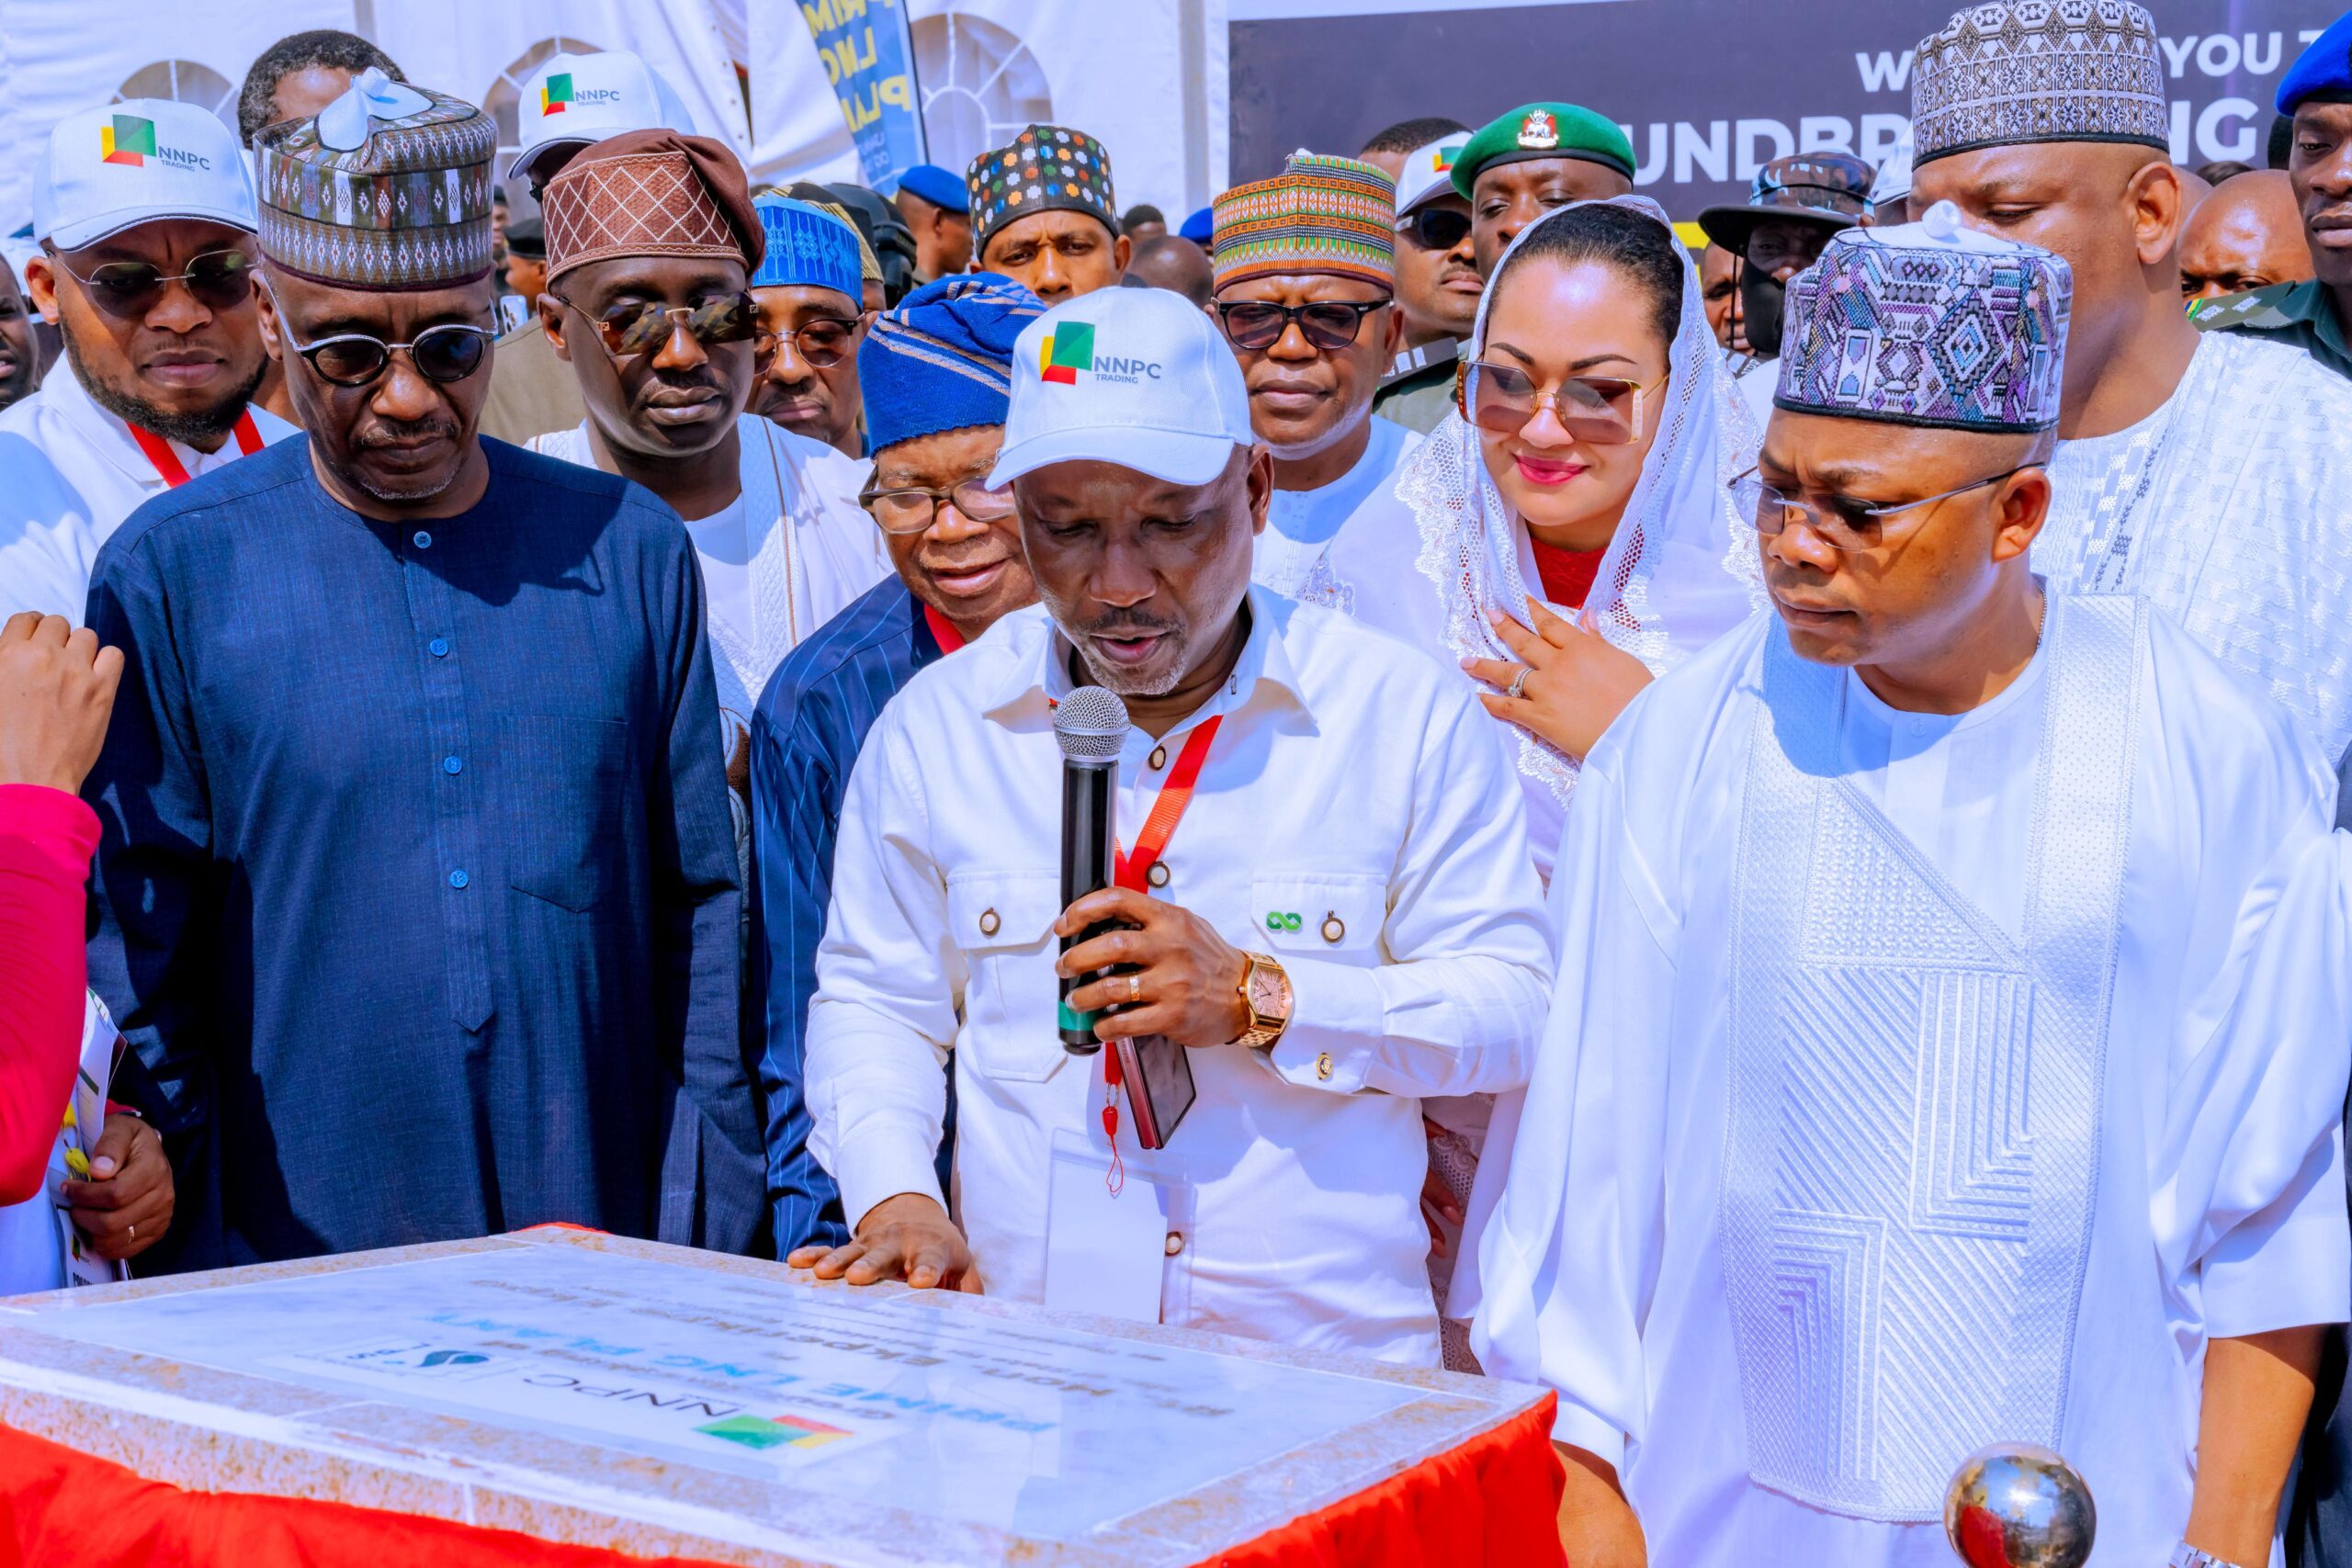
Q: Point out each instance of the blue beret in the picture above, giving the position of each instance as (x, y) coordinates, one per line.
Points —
(937, 187)
(807, 246)
(943, 359)
(1201, 227)
(2325, 69)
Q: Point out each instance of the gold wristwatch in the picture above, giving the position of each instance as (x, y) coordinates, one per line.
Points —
(1265, 996)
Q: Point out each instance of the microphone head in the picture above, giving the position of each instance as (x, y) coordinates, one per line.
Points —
(1091, 724)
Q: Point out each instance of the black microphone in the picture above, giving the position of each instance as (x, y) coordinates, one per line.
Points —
(1091, 724)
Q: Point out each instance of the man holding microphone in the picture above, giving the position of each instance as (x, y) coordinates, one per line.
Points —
(1327, 898)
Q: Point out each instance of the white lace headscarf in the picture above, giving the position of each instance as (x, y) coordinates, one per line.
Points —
(1682, 567)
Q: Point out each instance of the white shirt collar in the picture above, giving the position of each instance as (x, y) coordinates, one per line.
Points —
(106, 433)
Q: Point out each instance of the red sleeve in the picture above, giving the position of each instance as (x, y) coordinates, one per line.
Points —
(46, 840)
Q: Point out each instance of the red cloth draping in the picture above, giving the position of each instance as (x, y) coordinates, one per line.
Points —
(1491, 1502)
(46, 837)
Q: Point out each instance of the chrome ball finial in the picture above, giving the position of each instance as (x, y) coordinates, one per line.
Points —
(2018, 1506)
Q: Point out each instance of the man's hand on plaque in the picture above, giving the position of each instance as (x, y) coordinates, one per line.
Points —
(126, 1206)
(1186, 979)
(906, 1237)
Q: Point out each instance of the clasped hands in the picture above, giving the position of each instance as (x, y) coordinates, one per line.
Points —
(1184, 982)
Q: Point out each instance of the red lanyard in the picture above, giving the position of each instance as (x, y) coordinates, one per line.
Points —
(168, 466)
(942, 630)
(1134, 872)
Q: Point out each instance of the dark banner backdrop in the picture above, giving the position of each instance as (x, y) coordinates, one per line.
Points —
(1707, 89)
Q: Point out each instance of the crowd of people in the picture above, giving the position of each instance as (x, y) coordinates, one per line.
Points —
(1748, 836)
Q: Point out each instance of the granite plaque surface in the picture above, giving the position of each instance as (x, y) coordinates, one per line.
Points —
(658, 1400)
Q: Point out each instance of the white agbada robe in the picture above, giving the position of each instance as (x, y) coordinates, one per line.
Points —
(1777, 1257)
(1312, 536)
(2242, 527)
(788, 555)
(70, 473)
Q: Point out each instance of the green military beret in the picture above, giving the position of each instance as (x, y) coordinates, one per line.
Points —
(1543, 130)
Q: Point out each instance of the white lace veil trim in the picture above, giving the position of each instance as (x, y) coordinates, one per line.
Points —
(1682, 568)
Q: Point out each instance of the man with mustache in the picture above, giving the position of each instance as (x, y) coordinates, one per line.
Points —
(652, 242)
(1305, 294)
(413, 813)
(811, 289)
(1325, 899)
(2314, 313)
(1043, 215)
(937, 371)
(2207, 472)
(1793, 205)
(145, 219)
(1949, 1035)
(1438, 285)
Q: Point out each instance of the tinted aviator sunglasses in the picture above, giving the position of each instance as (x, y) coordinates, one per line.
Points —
(221, 280)
(1602, 410)
(631, 327)
(1329, 325)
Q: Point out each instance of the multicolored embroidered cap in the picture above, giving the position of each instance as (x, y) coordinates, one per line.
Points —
(808, 248)
(1321, 215)
(1045, 168)
(387, 188)
(1543, 130)
(2039, 71)
(1828, 190)
(1929, 323)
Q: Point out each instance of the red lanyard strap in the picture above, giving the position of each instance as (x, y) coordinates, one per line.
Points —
(1168, 810)
(168, 466)
(942, 630)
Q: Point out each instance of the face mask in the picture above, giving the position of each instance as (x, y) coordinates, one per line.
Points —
(1760, 297)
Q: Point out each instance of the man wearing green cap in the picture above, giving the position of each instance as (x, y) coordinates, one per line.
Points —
(1533, 159)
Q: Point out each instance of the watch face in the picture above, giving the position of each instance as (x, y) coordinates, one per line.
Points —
(1269, 993)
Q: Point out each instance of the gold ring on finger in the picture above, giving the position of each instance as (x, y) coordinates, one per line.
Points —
(1134, 989)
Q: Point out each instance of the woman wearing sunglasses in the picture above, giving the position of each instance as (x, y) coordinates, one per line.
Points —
(1575, 533)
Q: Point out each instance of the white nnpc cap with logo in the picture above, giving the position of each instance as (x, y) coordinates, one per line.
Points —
(141, 160)
(1141, 378)
(575, 99)
(1429, 173)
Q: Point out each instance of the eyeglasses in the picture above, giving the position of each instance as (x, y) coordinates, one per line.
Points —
(221, 280)
(1840, 522)
(450, 352)
(1329, 325)
(1772, 246)
(913, 511)
(1601, 411)
(631, 327)
(1436, 227)
(822, 344)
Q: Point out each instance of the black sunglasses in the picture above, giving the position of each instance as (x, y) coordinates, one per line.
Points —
(221, 280)
(1437, 228)
(450, 352)
(1329, 325)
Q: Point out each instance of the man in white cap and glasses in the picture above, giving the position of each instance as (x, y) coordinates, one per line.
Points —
(1438, 287)
(144, 213)
(1324, 899)
(570, 103)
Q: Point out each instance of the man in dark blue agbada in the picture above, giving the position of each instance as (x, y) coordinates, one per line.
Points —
(417, 889)
(937, 377)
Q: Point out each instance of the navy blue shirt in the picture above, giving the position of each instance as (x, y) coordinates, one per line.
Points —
(806, 734)
(416, 890)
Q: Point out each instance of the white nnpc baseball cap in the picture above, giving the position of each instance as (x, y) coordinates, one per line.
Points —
(1137, 377)
(575, 99)
(139, 161)
(1428, 172)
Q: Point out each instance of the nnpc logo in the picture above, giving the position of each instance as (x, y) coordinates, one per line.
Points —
(1066, 355)
(131, 139)
(558, 94)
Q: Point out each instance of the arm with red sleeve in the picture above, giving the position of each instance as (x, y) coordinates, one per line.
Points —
(46, 840)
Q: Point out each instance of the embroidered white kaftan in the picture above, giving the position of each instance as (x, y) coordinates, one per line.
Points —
(2242, 528)
(1915, 1082)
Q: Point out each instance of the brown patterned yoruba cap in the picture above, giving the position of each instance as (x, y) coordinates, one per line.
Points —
(1047, 167)
(651, 192)
(387, 188)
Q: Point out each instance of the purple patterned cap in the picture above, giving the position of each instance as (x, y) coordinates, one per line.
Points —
(1929, 323)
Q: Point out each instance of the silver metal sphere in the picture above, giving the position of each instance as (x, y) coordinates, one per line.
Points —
(2018, 1506)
